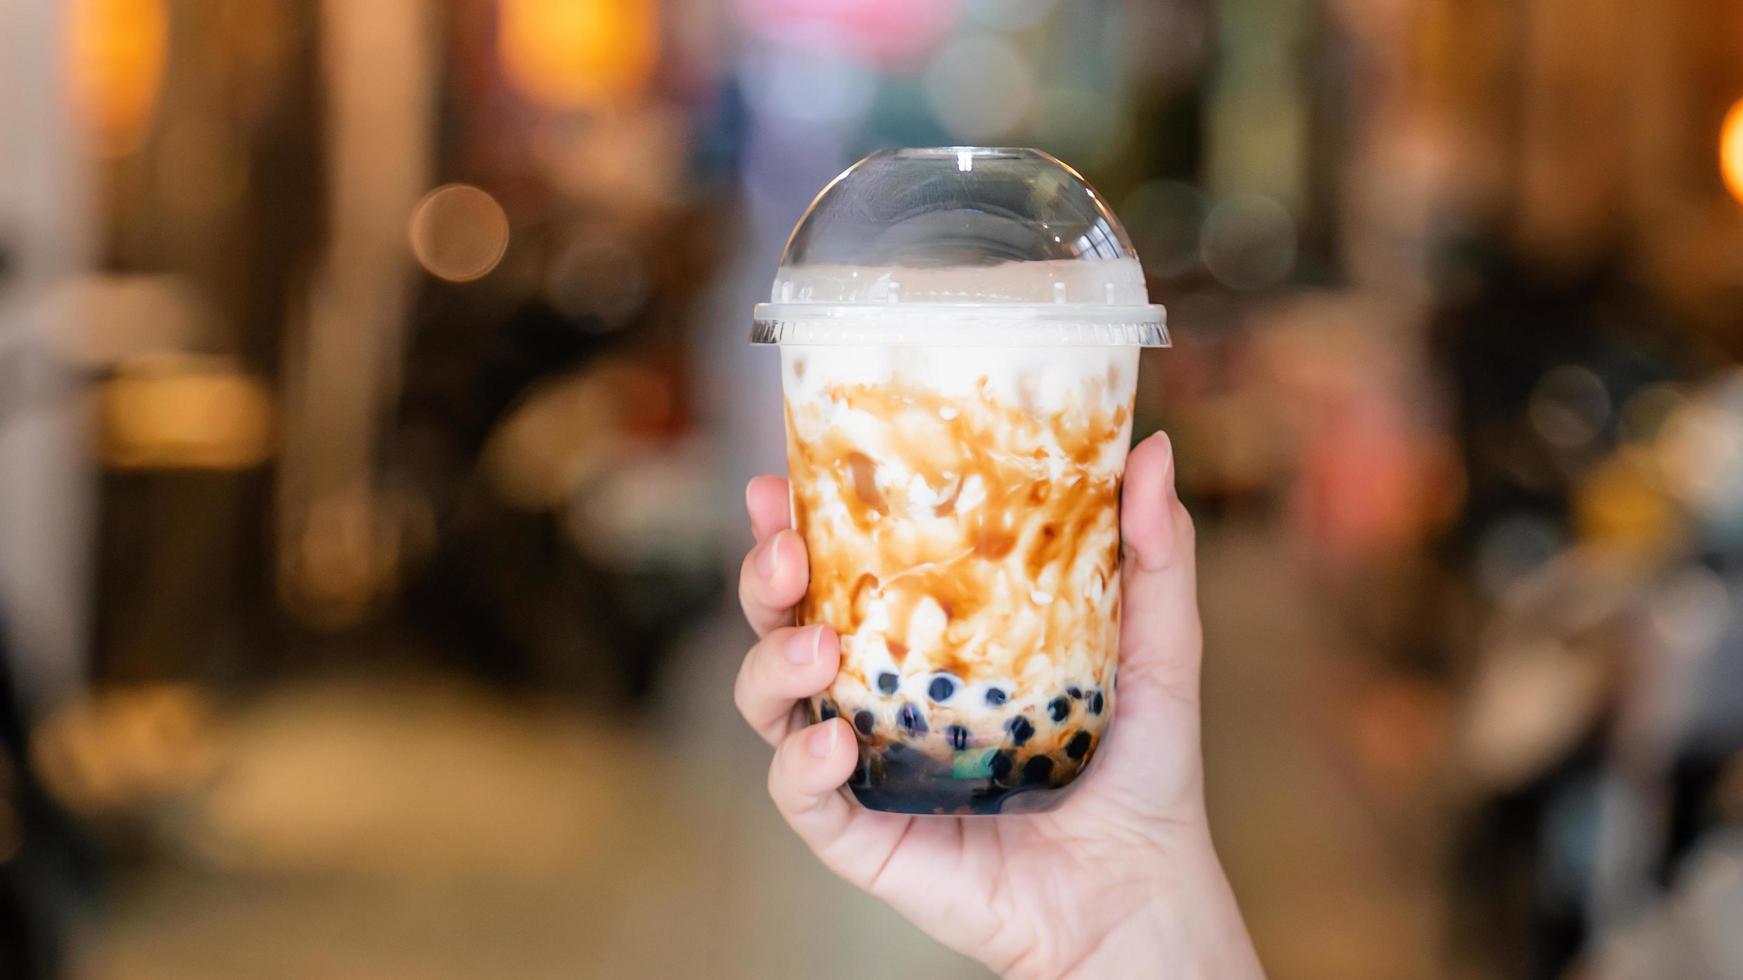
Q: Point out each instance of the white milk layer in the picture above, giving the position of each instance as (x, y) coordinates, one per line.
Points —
(961, 510)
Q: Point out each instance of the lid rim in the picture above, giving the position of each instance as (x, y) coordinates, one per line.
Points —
(1069, 312)
(891, 332)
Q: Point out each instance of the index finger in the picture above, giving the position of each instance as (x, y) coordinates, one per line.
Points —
(775, 573)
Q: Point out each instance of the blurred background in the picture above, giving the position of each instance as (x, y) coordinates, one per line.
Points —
(375, 404)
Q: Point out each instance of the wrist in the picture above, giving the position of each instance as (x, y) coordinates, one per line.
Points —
(1186, 925)
(1191, 928)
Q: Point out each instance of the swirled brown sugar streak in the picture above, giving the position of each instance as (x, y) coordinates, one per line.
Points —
(961, 507)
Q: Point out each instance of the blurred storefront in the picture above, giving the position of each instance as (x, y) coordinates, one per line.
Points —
(375, 406)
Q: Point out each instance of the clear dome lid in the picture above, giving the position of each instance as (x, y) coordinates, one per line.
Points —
(960, 245)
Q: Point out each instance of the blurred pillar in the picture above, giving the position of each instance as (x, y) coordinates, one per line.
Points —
(343, 358)
(1259, 104)
(1574, 125)
(45, 480)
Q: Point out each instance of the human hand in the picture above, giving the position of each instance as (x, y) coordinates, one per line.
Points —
(1120, 880)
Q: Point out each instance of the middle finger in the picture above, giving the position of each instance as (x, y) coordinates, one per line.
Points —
(772, 580)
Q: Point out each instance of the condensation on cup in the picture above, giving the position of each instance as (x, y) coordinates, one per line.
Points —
(959, 331)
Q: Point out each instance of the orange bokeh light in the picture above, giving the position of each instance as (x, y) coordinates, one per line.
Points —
(116, 51)
(578, 54)
(1731, 151)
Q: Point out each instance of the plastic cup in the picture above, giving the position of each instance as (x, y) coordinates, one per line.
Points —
(959, 331)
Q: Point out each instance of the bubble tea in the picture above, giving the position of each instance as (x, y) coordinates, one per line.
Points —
(959, 333)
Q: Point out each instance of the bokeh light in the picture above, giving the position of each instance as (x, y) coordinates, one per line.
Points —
(1699, 452)
(1010, 15)
(102, 320)
(814, 84)
(556, 438)
(1731, 151)
(458, 232)
(594, 276)
(1620, 505)
(981, 88)
(1165, 218)
(1511, 550)
(184, 413)
(1249, 242)
(628, 164)
(1690, 611)
(115, 65)
(1645, 411)
(343, 555)
(1077, 121)
(884, 32)
(1569, 407)
(578, 54)
(105, 751)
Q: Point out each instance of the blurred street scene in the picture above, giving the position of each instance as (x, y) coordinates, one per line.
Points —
(376, 405)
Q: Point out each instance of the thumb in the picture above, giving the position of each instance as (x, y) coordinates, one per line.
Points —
(1151, 758)
(1161, 639)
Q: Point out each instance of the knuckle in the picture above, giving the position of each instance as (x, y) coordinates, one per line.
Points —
(763, 666)
(746, 595)
(1184, 528)
(741, 698)
(775, 781)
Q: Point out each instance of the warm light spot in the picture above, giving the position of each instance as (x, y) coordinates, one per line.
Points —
(115, 60)
(126, 746)
(562, 434)
(1619, 505)
(577, 54)
(184, 413)
(1731, 151)
(341, 558)
(458, 232)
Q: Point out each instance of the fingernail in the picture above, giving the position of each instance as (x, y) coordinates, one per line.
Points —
(821, 741)
(769, 562)
(802, 647)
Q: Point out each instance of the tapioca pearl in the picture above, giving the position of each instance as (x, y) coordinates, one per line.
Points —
(888, 682)
(1078, 747)
(996, 696)
(1059, 708)
(911, 719)
(957, 736)
(1001, 766)
(942, 688)
(1021, 730)
(1037, 769)
(1096, 703)
(864, 721)
(1075, 692)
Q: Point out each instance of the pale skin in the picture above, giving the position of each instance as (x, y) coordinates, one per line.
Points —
(1122, 880)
